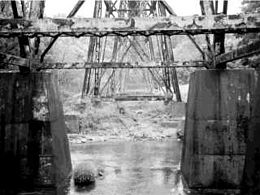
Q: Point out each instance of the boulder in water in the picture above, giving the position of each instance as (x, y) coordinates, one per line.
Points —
(84, 174)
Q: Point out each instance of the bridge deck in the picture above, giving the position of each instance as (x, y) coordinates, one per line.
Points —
(172, 25)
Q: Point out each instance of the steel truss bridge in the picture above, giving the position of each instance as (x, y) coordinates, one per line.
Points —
(140, 29)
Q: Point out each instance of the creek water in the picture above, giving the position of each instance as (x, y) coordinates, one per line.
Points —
(131, 168)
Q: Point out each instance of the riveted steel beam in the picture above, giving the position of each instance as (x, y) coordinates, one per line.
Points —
(172, 25)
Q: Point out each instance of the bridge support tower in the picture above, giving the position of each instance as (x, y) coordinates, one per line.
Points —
(218, 115)
(34, 149)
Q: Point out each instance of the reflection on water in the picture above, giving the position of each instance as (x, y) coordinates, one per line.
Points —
(149, 167)
(84, 189)
(130, 168)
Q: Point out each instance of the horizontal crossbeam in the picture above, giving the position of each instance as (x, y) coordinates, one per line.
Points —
(7, 59)
(140, 98)
(123, 65)
(171, 25)
(246, 51)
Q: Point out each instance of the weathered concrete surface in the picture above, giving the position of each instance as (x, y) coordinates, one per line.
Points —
(72, 123)
(34, 148)
(251, 178)
(131, 26)
(177, 109)
(217, 119)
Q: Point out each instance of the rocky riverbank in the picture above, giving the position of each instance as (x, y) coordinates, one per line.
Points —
(130, 121)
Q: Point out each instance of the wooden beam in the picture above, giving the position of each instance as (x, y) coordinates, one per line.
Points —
(172, 25)
(248, 50)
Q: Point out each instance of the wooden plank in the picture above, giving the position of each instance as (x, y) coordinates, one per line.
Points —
(248, 50)
(172, 25)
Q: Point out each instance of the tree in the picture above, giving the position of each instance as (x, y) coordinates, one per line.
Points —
(7, 45)
(23, 46)
(250, 7)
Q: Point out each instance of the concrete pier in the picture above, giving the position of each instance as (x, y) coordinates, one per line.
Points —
(218, 112)
(34, 148)
(251, 177)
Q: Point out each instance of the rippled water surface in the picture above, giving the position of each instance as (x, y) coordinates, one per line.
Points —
(137, 168)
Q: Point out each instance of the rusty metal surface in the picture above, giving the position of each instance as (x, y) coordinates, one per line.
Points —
(7, 59)
(71, 14)
(131, 26)
(248, 50)
(150, 64)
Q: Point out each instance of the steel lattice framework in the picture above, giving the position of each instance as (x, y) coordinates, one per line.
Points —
(123, 45)
(135, 27)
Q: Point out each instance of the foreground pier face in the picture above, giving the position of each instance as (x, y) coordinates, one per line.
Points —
(251, 179)
(34, 148)
(217, 121)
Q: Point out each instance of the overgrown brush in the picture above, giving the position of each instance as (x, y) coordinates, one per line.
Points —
(84, 174)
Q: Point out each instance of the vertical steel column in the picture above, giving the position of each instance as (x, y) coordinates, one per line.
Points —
(219, 39)
(207, 8)
(170, 76)
(94, 54)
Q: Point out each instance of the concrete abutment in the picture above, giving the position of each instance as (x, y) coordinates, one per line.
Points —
(221, 132)
(34, 148)
(218, 115)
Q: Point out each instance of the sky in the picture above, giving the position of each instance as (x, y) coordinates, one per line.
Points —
(181, 7)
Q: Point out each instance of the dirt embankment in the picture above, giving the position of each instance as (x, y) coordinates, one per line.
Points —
(89, 121)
